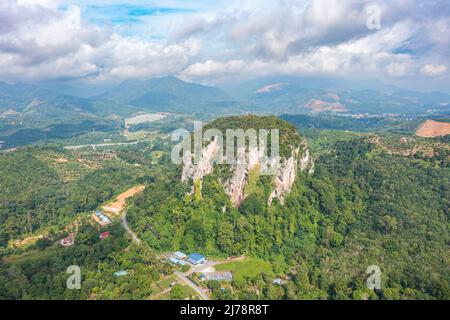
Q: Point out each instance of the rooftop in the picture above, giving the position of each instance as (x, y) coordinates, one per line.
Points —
(196, 256)
(179, 254)
(121, 273)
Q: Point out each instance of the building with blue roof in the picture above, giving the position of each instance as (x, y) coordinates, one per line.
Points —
(177, 261)
(121, 273)
(196, 258)
(180, 255)
(103, 218)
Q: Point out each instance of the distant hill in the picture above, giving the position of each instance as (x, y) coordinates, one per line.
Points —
(288, 94)
(29, 114)
(24, 97)
(167, 94)
(27, 110)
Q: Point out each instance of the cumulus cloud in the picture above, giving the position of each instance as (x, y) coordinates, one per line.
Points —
(369, 54)
(228, 39)
(330, 38)
(433, 70)
(38, 41)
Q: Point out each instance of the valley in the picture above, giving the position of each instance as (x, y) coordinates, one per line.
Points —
(373, 196)
(237, 159)
(354, 189)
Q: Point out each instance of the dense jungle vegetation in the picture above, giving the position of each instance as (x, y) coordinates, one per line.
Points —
(362, 206)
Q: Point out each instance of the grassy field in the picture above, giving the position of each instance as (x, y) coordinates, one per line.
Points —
(163, 284)
(190, 293)
(250, 267)
(161, 289)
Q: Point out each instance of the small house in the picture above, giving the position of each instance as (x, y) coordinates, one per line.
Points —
(180, 255)
(278, 281)
(121, 273)
(68, 241)
(196, 258)
(102, 219)
(177, 261)
(104, 235)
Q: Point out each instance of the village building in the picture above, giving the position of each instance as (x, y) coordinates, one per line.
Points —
(177, 261)
(196, 258)
(101, 218)
(68, 241)
(104, 235)
(121, 273)
(180, 255)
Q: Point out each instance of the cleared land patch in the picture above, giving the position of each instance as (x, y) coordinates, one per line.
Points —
(119, 204)
(317, 106)
(431, 129)
(142, 118)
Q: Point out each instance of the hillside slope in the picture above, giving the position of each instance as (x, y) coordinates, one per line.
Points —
(362, 206)
(240, 178)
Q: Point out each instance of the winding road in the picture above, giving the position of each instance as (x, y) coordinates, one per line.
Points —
(124, 223)
(203, 294)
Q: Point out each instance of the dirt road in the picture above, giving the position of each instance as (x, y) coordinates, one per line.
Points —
(124, 223)
(94, 146)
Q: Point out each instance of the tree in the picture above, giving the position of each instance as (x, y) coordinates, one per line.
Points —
(177, 292)
(213, 285)
(388, 224)
(225, 237)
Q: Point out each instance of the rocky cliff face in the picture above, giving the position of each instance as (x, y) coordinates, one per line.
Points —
(284, 177)
(286, 174)
(235, 185)
(205, 165)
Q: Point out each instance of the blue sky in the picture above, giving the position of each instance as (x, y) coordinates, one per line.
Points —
(127, 14)
(214, 42)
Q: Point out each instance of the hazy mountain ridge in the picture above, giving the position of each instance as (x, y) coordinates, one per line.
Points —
(166, 94)
(294, 94)
(26, 106)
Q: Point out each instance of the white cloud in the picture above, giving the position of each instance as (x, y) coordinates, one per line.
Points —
(433, 70)
(325, 37)
(214, 68)
(368, 55)
(226, 39)
(44, 3)
(396, 69)
(41, 42)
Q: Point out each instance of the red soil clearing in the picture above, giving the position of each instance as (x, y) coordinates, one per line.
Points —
(118, 205)
(431, 129)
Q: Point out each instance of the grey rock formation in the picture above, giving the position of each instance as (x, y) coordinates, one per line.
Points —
(284, 177)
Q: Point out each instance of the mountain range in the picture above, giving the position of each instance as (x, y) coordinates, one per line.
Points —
(27, 106)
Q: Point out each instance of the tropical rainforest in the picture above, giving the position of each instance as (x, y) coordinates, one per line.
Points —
(365, 204)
